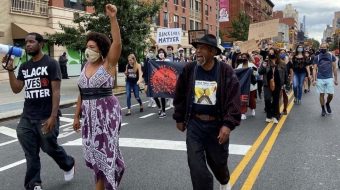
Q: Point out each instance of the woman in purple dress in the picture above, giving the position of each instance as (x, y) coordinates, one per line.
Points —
(98, 109)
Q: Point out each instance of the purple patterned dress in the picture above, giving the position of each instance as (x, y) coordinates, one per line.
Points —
(101, 119)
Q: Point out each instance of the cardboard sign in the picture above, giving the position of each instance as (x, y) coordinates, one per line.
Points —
(263, 30)
(196, 34)
(248, 46)
(169, 36)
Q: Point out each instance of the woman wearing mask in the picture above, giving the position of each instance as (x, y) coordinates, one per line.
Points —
(245, 63)
(284, 79)
(161, 56)
(99, 109)
(269, 70)
(308, 78)
(300, 68)
(133, 74)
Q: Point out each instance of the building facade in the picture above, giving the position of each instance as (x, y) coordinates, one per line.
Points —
(41, 16)
(257, 10)
(188, 15)
(327, 34)
(292, 24)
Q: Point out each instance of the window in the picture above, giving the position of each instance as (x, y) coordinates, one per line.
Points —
(197, 25)
(183, 3)
(192, 4)
(156, 20)
(206, 10)
(74, 4)
(192, 25)
(197, 6)
(166, 19)
(184, 23)
(32, 7)
(176, 21)
(176, 2)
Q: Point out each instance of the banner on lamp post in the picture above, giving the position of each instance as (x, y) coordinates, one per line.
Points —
(224, 11)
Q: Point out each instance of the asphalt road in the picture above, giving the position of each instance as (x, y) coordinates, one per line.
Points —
(301, 152)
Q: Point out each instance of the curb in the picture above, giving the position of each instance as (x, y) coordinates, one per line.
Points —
(63, 104)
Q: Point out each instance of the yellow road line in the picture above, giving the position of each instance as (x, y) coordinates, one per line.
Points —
(244, 162)
(248, 184)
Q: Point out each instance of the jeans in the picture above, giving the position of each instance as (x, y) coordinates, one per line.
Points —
(298, 84)
(135, 89)
(202, 149)
(31, 140)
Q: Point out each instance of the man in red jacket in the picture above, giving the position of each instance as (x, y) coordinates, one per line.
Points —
(207, 104)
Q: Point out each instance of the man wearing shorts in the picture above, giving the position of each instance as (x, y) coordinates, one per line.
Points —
(324, 69)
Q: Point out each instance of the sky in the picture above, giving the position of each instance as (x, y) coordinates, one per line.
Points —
(318, 13)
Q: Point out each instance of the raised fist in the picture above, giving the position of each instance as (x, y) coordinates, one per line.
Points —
(111, 10)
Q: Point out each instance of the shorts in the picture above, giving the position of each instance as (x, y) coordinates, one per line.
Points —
(325, 86)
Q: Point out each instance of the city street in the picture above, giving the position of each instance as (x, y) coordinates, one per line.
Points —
(301, 152)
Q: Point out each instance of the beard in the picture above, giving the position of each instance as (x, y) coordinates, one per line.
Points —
(201, 61)
(34, 53)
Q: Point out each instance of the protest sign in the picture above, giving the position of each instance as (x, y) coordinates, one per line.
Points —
(248, 46)
(169, 36)
(263, 30)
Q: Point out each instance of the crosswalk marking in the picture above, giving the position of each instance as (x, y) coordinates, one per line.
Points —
(234, 149)
(8, 142)
(12, 165)
(65, 119)
(148, 115)
(8, 131)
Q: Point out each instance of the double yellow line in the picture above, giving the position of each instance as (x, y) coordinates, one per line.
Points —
(249, 182)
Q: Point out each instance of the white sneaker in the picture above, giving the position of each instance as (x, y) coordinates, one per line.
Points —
(225, 187)
(154, 104)
(150, 104)
(269, 120)
(37, 187)
(253, 112)
(275, 120)
(69, 175)
(243, 117)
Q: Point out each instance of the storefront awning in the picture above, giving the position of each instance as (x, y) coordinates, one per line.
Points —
(19, 31)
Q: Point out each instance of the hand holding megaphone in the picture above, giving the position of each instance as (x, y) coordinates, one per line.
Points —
(10, 52)
(7, 63)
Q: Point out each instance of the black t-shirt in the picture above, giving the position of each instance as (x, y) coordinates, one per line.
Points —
(37, 77)
(131, 75)
(205, 91)
(299, 65)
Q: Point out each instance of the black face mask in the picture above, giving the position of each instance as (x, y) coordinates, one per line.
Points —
(272, 56)
(240, 61)
(323, 51)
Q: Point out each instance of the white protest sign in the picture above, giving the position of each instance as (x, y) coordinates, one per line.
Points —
(169, 36)
(263, 30)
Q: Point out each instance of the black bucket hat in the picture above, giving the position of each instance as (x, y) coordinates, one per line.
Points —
(209, 40)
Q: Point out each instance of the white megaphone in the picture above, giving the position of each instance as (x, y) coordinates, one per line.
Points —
(12, 50)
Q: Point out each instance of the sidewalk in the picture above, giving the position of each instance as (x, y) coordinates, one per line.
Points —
(11, 104)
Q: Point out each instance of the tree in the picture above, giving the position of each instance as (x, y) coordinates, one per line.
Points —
(240, 27)
(134, 18)
(314, 43)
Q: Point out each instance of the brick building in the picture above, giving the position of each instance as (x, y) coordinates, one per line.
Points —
(188, 15)
(257, 10)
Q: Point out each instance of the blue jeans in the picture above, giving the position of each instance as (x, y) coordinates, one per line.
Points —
(298, 84)
(135, 88)
(31, 140)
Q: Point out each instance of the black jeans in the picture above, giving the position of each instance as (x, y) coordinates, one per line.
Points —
(272, 102)
(31, 140)
(203, 148)
(160, 105)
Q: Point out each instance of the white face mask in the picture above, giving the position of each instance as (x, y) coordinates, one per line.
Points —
(161, 55)
(91, 55)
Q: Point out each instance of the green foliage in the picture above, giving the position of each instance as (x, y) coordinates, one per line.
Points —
(240, 27)
(315, 43)
(134, 18)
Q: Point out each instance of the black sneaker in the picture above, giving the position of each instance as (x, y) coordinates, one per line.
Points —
(162, 115)
(328, 108)
(323, 113)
